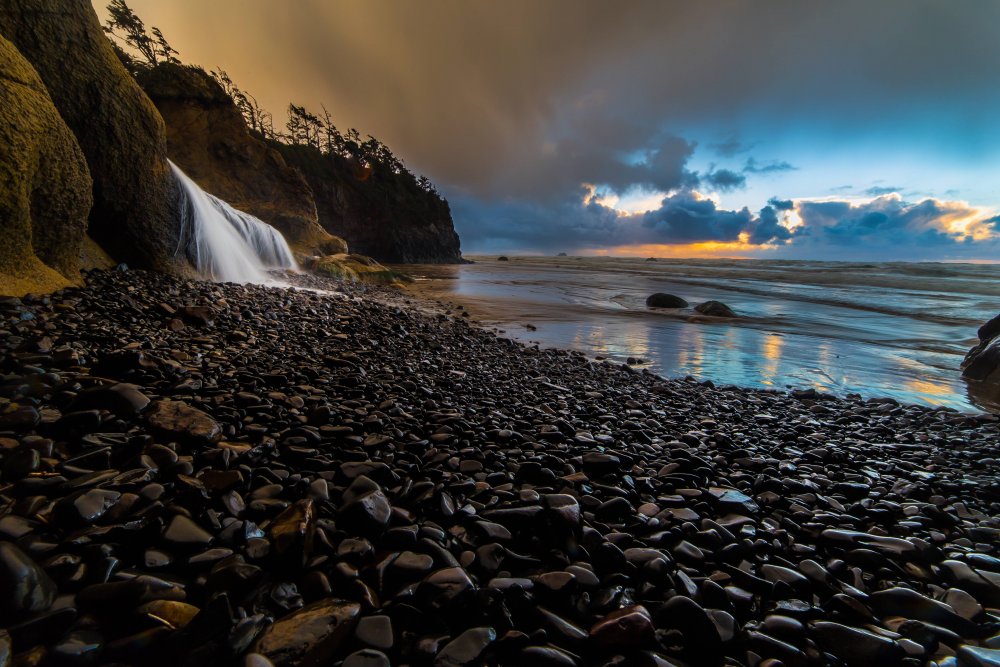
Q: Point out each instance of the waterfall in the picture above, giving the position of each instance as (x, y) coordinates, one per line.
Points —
(225, 244)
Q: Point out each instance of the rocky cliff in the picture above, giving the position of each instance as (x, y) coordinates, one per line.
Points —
(377, 213)
(981, 367)
(209, 140)
(44, 184)
(117, 127)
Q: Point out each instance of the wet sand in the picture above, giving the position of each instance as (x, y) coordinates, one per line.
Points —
(897, 330)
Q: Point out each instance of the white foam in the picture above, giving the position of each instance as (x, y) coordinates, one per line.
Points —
(226, 244)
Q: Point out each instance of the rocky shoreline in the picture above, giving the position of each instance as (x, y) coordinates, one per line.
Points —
(207, 474)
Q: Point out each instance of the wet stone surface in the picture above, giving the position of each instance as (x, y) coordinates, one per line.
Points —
(204, 474)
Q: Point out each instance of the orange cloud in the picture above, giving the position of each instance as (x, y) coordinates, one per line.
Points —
(740, 249)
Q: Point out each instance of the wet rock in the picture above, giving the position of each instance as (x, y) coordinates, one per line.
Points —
(365, 509)
(80, 647)
(731, 501)
(129, 593)
(310, 636)
(854, 645)
(444, 587)
(376, 632)
(663, 300)
(367, 658)
(629, 627)
(975, 656)
(182, 531)
(600, 464)
(199, 316)
(466, 648)
(545, 656)
(292, 531)
(24, 587)
(715, 309)
(178, 420)
(88, 507)
(690, 619)
(171, 613)
(123, 399)
(911, 604)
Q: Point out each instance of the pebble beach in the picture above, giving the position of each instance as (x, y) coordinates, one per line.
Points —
(215, 474)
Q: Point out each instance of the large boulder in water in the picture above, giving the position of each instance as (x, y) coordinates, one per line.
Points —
(134, 215)
(663, 300)
(981, 366)
(715, 309)
(44, 184)
(208, 138)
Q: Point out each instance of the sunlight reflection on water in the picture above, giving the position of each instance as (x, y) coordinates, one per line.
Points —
(853, 333)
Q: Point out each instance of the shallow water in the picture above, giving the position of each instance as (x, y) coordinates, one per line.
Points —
(889, 329)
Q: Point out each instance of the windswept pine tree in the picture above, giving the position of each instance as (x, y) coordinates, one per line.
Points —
(145, 48)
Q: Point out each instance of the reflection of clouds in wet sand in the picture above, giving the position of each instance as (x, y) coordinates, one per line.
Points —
(772, 357)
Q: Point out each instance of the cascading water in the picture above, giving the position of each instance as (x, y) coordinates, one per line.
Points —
(226, 244)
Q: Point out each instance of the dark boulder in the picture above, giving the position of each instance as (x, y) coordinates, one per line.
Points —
(715, 309)
(981, 367)
(663, 300)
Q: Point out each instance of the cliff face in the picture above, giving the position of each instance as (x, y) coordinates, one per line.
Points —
(377, 214)
(121, 134)
(208, 139)
(44, 185)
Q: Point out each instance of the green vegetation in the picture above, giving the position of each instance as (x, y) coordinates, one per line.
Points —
(151, 47)
(356, 268)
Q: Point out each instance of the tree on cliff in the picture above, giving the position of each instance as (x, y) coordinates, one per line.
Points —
(125, 26)
(258, 119)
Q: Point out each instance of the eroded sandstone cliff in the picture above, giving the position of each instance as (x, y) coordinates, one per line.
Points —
(208, 139)
(119, 130)
(378, 213)
(44, 184)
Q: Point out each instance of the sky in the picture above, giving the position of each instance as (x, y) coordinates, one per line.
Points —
(852, 130)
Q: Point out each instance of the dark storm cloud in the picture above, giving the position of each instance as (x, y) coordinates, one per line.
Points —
(889, 222)
(584, 223)
(473, 92)
(883, 227)
(725, 180)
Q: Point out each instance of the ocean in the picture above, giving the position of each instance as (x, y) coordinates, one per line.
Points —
(894, 329)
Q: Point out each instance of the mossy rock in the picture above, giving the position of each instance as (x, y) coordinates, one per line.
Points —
(135, 197)
(355, 268)
(45, 187)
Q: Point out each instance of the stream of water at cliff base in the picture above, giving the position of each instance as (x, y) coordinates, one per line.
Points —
(226, 244)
